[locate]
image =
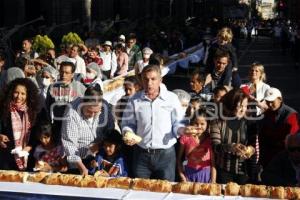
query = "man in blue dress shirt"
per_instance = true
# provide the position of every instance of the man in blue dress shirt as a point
(154, 114)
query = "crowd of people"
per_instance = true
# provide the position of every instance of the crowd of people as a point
(53, 116)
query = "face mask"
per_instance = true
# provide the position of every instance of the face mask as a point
(90, 75)
(46, 82)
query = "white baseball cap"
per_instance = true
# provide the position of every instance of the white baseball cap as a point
(272, 94)
(122, 37)
(147, 50)
(107, 43)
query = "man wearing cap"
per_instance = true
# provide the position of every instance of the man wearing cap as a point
(109, 58)
(279, 121)
(146, 53)
(122, 40)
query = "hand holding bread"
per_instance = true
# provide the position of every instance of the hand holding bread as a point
(242, 151)
(191, 130)
(131, 138)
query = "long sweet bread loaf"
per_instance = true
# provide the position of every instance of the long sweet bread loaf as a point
(232, 189)
(120, 182)
(183, 187)
(13, 176)
(207, 189)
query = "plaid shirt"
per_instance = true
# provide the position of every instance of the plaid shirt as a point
(78, 133)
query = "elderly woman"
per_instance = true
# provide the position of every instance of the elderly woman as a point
(93, 75)
(231, 135)
(258, 87)
(17, 117)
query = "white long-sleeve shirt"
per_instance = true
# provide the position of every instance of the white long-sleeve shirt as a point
(109, 61)
(80, 66)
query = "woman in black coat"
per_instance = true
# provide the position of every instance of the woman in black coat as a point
(18, 111)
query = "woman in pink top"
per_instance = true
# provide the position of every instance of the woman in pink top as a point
(122, 60)
(196, 145)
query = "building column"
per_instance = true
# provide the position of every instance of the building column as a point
(87, 12)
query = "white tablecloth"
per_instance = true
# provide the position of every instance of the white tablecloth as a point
(100, 193)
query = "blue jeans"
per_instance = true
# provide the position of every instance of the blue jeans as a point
(158, 164)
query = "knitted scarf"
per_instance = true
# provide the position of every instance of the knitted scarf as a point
(21, 129)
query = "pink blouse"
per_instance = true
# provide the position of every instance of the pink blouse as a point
(122, 60)
(197, 155)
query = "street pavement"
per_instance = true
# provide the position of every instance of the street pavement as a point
(279, 69)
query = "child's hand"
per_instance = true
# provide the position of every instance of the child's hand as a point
(102, 173)
(42, 166)
(94, 164)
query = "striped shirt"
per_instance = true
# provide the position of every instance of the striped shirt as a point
(224, 134)
(78, 133)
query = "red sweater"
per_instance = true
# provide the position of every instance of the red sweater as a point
(275, 126)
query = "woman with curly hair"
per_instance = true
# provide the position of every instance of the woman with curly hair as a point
(18, 113)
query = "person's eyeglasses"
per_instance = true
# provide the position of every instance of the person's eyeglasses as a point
(293, 149)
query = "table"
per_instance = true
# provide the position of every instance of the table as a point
(39, 191)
